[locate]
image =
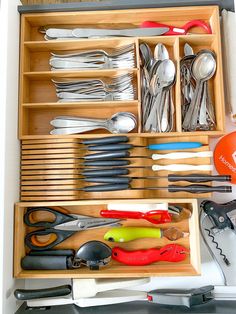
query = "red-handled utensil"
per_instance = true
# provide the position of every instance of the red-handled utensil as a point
(168, 253)
(183, 30)
(153, 216)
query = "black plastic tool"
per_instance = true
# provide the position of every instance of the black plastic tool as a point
(92, 254)
(219, 213)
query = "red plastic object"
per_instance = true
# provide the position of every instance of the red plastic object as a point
(153, 216)
(183, 30)
(225, 156)
(169, 253)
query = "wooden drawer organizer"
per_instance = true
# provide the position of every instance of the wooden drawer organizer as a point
(38, 105)
(57, 191)
(38, 101)
(189, 267)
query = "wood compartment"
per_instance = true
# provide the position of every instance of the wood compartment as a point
(37, 117)
(38, 54)
(51, 171)
(35, 83)
(216, 85)
(189, 267)
(118, 19)
(172, 45)
(38, 87)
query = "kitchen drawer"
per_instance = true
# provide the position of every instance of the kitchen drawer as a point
(189, 267)
(38, 100)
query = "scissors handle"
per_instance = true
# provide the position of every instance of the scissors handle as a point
(59, 217)
(56, 237)
(182, 30)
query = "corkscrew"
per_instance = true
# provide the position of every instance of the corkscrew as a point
(222, 216)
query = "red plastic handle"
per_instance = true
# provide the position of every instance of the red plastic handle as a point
(183, 30)
(168, 253)
(154, 216)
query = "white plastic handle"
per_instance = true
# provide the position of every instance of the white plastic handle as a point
(182, 155)
(182, 167)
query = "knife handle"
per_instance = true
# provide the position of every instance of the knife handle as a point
(199, 178)
(25, 294)
(199, 188)
(174, 145)
(108, 155)
(106, 140)
(182, 155)
(110, 147)
(182, 167)
(114, 180)
(106, 187)
(105, 172)
(106, 163)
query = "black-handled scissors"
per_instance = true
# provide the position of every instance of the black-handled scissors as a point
(61, 228)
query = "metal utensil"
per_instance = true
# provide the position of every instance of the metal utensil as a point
(197, 115)
(119, 123)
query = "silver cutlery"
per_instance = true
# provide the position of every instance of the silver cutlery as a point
(158, 77)
(122, 57)
(197, 108)
(118, 88)
(121, 122)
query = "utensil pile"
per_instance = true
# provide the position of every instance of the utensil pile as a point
(121, 57)
(157, 79)
(95, 89)
(120, 122)
(197, 107)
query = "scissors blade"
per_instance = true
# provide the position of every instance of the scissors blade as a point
(90, 223)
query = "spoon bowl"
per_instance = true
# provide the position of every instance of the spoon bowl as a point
(204, 66)
(164, 76)
(160, 52)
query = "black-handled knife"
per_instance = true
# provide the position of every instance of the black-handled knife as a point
(25, 294)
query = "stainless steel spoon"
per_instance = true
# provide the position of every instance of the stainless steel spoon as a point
(203, 68)
(121, 122)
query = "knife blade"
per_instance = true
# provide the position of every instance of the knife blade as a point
(93, 32)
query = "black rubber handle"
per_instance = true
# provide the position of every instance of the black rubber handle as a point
(107, 163)
(125, 180)
(56, 237)
(52, 253)
(111, 147)
(218, 213)
(198, 188)
(108, 155)
(23, 294)
(199, 178)
(105, 172)
(106, 140)
(106, 187)
(44, 262)
(59, 217)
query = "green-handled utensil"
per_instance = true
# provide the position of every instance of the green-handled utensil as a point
(126, 234)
